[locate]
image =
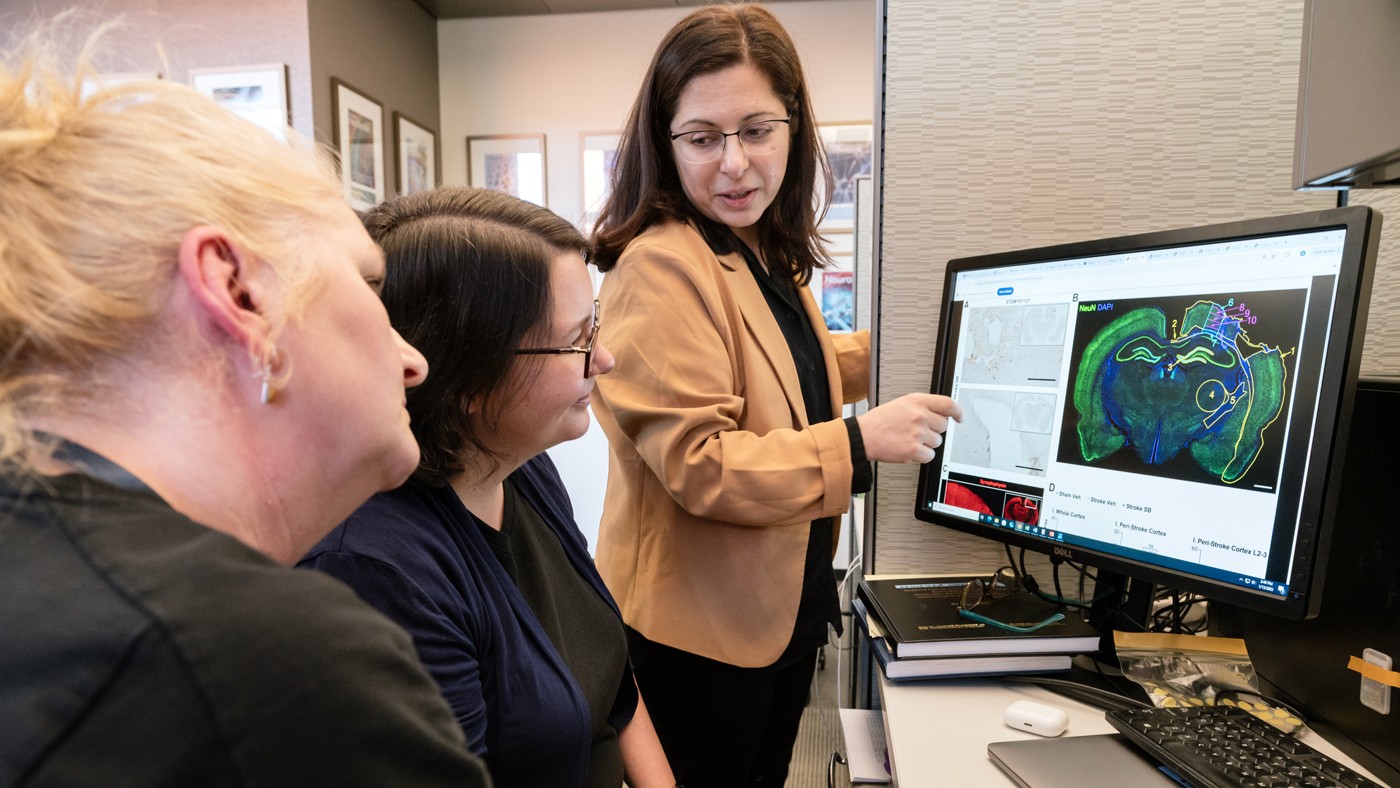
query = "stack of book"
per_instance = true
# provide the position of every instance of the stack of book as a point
(915, 631)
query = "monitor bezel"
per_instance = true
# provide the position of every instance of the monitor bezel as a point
(1339, 370)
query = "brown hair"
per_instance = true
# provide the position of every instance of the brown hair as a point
(467, 279)
(646, 187)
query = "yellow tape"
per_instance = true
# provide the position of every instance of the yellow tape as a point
(1156, 641)
(1376, 673)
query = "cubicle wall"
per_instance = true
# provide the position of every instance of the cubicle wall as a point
(1009, 125)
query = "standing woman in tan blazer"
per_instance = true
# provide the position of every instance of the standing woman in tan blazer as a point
(728, 460)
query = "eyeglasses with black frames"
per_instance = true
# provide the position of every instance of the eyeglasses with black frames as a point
(758, 139)
(1002, 584)
(586, 348)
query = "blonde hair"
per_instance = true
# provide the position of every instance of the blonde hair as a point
(96, 194)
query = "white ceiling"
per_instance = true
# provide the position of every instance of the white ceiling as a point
(459, 9)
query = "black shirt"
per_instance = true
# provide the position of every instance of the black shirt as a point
(583, 629)
(818, 605)
(140, 648)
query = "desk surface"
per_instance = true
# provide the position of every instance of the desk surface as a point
(938, 731)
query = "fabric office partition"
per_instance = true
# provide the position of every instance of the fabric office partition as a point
(1005, 125)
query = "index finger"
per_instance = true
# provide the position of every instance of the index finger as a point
(945, 406)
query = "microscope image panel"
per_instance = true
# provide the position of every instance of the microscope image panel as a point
(1005, 431)
(1033, 412)
(1043, 324)
(1185, 387)
(1015, 345)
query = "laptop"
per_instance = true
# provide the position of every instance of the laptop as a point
(1077, 761)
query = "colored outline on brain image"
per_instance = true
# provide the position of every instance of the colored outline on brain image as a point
(1199, 386)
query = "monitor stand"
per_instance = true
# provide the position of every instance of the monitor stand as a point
(1120, 602)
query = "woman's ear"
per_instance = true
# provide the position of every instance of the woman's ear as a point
(230, 287)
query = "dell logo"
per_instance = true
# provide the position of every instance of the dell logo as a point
(1064, 552)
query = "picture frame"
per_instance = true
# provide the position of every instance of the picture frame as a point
(597, 155)
(850, 153)
(258, 94)
(838, 285)
(415, 155)
(510, 163)
(359, 139)
(835, 287)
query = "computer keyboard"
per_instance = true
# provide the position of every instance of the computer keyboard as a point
(1210, 746)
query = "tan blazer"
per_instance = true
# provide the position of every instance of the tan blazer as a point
(713, 474)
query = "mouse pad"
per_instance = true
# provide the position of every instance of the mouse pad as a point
(1076, 761)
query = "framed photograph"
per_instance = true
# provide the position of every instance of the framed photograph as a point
(417, 155)
(598, 152)
(835, 290)
(510, 163)
(850, 150)
(359, 137)
(835, 287)
(258, 94)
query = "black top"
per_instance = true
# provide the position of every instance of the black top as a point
(818, 605)
(579, 623)
(140, 648)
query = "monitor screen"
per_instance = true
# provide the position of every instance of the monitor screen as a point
(1167, 405)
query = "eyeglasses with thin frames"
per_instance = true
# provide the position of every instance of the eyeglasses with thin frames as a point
(586, 348)
(702, 147)
(1003, 583)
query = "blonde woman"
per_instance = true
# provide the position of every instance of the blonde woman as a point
(197, 381)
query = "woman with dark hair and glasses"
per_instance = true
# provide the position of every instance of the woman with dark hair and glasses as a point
(728, 460)
(478, 556)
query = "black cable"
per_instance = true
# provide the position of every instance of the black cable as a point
(1083, 570)
(1094, 696)
(1172, 618)
(1034, 587)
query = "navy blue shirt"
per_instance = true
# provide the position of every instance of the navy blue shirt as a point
(418, 556)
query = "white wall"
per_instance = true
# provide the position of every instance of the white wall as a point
(566, 74)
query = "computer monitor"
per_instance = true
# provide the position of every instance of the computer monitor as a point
(1168, 406)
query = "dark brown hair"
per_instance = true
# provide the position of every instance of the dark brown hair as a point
(467, 282)
(646, 187)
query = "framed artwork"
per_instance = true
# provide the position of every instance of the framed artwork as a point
(510, 163)
(838, 296)
(835, 287)
(359, 138)
(850, 150)
(258, 94)
(598, 152)
(417, 155)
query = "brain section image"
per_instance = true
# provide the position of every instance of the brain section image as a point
(1190, 387)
